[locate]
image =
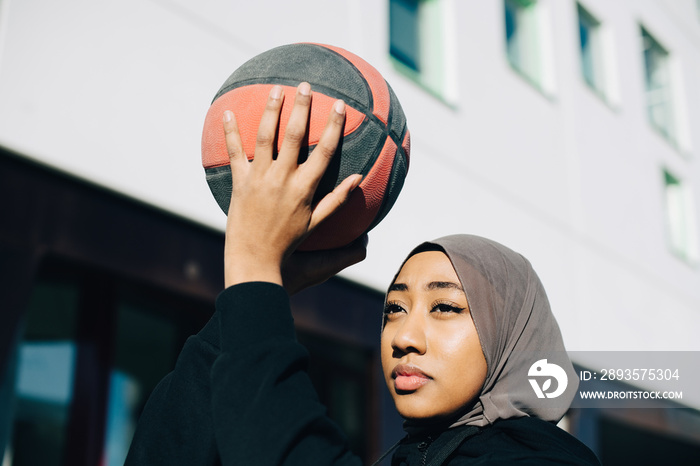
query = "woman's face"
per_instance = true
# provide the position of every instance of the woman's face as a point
(431, 354)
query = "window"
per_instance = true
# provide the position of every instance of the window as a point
(419, 44)
(143, 325)
(82, 378)
(523, 41)
(404, 45)
(658, 86)
(680, 218)
(591, 50)
(46, 368)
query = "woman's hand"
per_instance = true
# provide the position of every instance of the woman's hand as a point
(308, 268)
(271, 210)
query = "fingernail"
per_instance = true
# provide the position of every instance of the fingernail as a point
(339, 107)
(228, 115)
(356, 182)
(276, 92)
(304, 89)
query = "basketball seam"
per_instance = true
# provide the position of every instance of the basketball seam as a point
(388, 132)
(371, 160)
(369, 116)
(398, 139)
(385, 207)
(354, 135)
(293, 83)
(360, 73)
(368, 111)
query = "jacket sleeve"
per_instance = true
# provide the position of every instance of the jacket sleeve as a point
(265, 410)
(176, 424)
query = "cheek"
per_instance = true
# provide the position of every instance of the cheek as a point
(456, 343)
(386, 352)
(461, 359)
(453, 346)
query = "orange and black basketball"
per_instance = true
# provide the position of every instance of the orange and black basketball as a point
(375, 143)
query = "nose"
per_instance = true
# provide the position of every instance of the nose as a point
(410, 335)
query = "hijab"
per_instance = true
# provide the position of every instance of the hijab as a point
(519, 335)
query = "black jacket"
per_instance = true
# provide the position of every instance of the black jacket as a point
(240, 395)
(519, 441)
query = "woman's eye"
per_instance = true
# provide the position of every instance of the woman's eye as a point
(442, 307)
(392, 309)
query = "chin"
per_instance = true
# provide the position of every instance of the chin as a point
(419, 410)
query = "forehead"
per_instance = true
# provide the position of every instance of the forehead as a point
(426, 267)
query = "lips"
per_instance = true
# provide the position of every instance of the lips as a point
(409, 378)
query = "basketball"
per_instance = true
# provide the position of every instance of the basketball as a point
(375, 142)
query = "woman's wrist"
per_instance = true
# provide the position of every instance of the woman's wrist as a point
(241, 268)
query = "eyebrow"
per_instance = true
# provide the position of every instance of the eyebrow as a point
(398, 287)
(430, 286)
(443, 285)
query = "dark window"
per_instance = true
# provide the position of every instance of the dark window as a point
(523, 44)
(404, 33)
(93, 350)
(658, 85)
(591, 59)
(46, 367)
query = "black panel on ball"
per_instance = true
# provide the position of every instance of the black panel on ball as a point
(327, 71)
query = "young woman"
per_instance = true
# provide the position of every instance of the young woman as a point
(465, 323)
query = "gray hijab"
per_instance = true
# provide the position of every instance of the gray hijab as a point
(517, 331)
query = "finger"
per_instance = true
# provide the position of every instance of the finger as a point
(295, 132)
(234, 145)
(267, 131)
(333, 200)
(328, 143)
